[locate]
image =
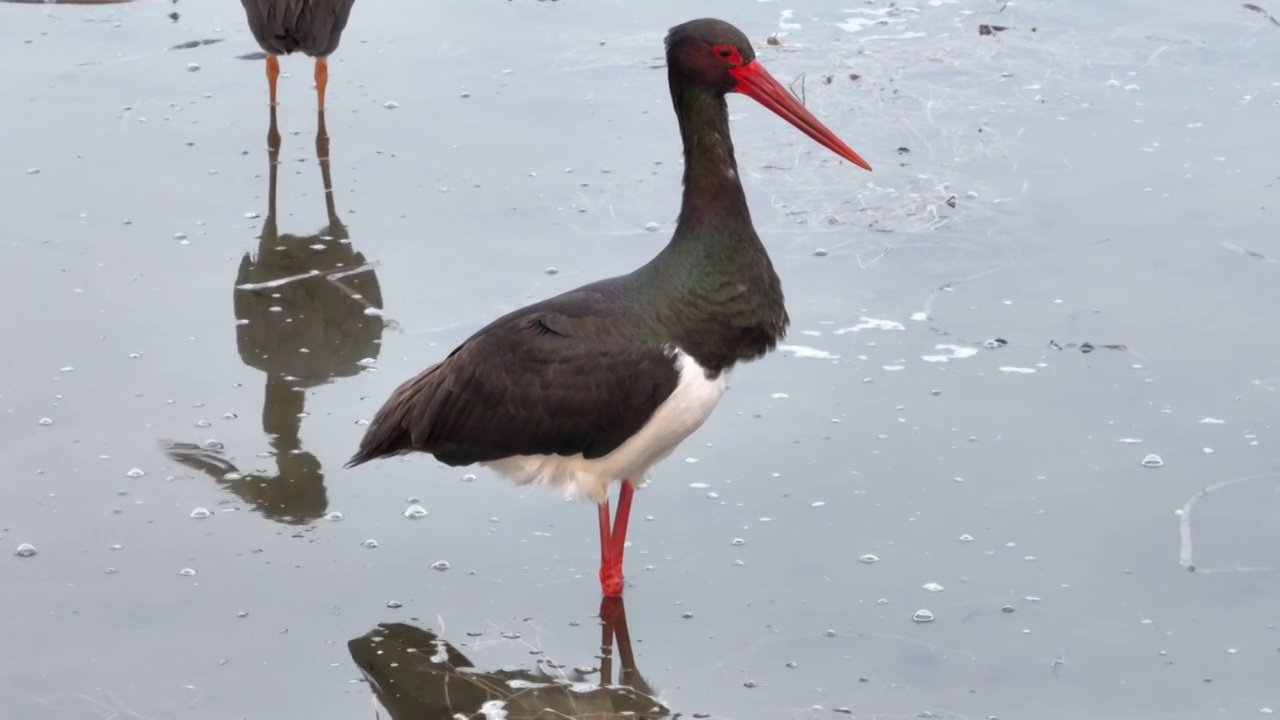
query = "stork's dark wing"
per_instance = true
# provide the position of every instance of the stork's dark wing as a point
(535, 382)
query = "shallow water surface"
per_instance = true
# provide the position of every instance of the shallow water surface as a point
(930, 502)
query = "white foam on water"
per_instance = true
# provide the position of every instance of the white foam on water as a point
(957, 352)
(804, 351)
(866, 323)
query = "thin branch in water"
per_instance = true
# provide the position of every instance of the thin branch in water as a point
(1185, 558)
(1246, 252)
(931, 646)
(802, 95)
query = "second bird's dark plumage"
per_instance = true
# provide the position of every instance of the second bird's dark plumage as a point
(312, 27)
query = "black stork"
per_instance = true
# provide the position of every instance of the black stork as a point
(313, 27)
(601, 383)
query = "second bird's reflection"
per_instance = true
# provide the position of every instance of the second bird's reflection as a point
(417, 675)
(308, 311)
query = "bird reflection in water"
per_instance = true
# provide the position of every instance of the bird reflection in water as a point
(308, 311)
(417, 675)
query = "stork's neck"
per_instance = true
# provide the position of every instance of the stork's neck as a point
(713, 196)
(712, 291)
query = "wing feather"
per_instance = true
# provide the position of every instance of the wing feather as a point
(534, 384)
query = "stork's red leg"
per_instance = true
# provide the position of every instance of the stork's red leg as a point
(611, 556)
(605, 545)
(322, 81)
(619, 535)
(273, 72)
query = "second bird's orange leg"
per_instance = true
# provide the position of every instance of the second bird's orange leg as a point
(322, 80)
(273, 72)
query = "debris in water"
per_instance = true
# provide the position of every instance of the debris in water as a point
(985, 29)
(922, 616)
(868, 559)
(957, 352)
(1017, 370)
(869, 323)
(414, 512)
(200, 513)
(1153, 461)
(1255, 8)
(25, 550)
(1087, 346)
(191, 44)
(1246, 252)
(441, 565)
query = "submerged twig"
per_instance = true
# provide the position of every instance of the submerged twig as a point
(1227, 244)
(333, 277)
(1255, 8)
(802, 96)
(1184, 527)
(932, 646)
(387, 322)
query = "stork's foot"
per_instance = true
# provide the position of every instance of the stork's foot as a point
(611, 581)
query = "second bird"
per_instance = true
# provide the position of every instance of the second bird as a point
(597, 385)
(312, 27)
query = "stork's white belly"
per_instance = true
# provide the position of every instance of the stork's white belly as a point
(675, 419)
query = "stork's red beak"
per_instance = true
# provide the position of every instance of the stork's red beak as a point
(756, 83)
